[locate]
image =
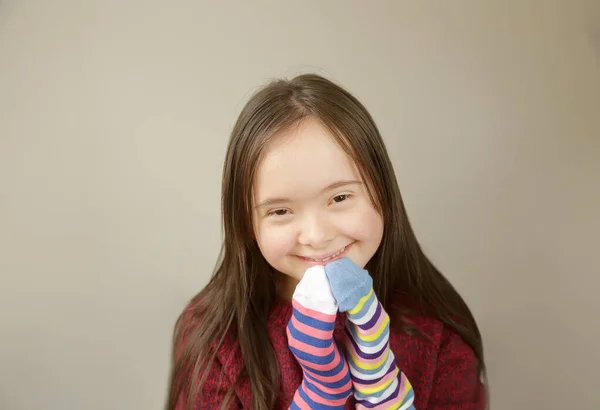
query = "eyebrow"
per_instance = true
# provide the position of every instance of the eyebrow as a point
(334, 185)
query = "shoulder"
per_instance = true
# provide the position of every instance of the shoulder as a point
(185, 326)
(192, 320)
(429, 330)
(218, 374)
(440, 365)
(432, 341)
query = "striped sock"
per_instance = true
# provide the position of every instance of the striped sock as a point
(326, 380)
(377, 380)
(378, 383)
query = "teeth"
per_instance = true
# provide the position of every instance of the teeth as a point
(329, 257)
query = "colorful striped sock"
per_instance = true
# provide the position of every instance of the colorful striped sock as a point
(326, 380)
(378, 382)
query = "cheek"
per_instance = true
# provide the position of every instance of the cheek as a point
(274, 242)
(365, 225)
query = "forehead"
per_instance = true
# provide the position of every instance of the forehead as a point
(302, 162)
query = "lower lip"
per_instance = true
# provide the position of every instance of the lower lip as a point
(316, 263)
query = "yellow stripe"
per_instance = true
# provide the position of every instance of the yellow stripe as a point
(372, 390)
(364, 366)
(407, 388)
(396, 406)
(361, 303)
(375, 336)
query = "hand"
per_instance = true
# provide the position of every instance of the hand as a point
(326, 379)
(348, 281)
(375, 374)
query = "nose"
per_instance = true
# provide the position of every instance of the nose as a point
(314, 231)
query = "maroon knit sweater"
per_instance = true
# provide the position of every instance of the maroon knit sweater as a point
(441, 367)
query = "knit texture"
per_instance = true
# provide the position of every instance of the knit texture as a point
(440, 365)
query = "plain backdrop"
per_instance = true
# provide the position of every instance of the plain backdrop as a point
(114, 118)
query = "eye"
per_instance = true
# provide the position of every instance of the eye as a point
(278, 212)
(340, 198)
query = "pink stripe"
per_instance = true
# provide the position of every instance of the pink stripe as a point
(385, 405)
(335, 390)
(331, 379)
(300, 401)
(397, 400)
(361, 360)
(324, 367)
(375, 327)
(403, 380)
(323, 317)
(315, 351)
(318, 399)
(386, 378)
(309, 330)
(328, 379)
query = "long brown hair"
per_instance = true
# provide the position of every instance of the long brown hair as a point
(240, 293)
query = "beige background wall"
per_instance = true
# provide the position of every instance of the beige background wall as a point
(114, 118)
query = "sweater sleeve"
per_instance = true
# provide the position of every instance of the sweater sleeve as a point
(213, 393)
(456, 384)
(216, 385)
(326, 380)
(378, 382)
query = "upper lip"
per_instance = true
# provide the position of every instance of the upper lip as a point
(325, 256)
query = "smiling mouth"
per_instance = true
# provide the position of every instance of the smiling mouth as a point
(329, 258)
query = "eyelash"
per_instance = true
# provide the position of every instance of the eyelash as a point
(274, 212)
(347, 196)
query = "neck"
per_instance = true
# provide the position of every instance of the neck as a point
(286, 285)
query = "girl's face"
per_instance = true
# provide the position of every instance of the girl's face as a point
(311, 205)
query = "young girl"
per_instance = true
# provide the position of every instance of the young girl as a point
(322, 297)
